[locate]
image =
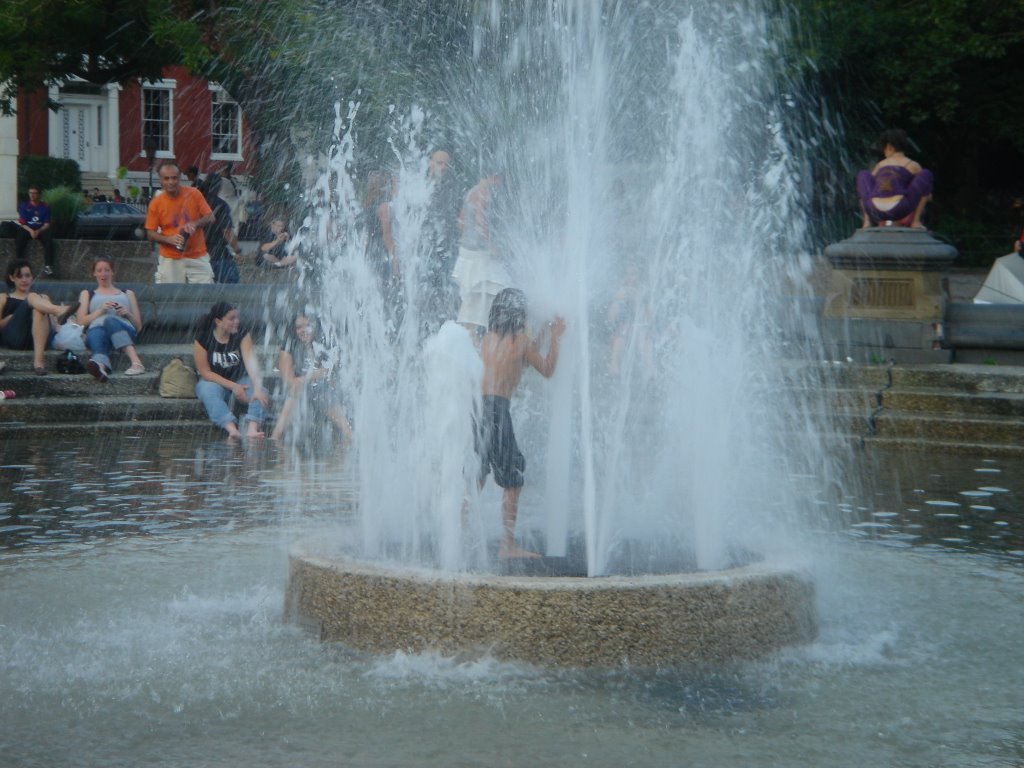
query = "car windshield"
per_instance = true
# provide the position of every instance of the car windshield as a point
(107, 209)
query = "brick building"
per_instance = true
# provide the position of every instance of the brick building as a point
(110, 130)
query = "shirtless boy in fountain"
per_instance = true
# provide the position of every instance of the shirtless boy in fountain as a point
(506, 350)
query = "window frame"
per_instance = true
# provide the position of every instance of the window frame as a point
(221, 98)
(167, 86)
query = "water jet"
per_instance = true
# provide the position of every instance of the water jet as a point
(693, 445)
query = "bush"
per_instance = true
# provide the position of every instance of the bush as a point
(978, 242)
(46, 173)
(65, 204)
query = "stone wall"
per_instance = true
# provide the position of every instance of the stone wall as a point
(134, 259)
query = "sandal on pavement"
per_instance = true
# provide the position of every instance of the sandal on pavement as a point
(98, 371)
(135, 369)
(39, 370)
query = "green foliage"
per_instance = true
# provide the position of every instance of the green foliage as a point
(46, 173)
(921, 61)
(101, 41)
(947, 72)
(978, 241)
(65, 204)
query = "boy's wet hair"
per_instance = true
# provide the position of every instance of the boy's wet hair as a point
(508, 312)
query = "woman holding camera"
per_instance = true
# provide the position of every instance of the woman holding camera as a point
(113, 321)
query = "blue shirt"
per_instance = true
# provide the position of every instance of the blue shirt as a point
(34, 216)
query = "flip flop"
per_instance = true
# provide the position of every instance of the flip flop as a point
(40, 371)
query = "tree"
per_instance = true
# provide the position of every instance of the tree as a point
(285, 61)
(945, 70)
(102, 41)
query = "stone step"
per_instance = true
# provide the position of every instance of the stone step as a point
(950, 429)
(992, 450)
(859, 401)
(997, 405)
(164, 426)
(958, 377)
(136, 261)
(851, 423)
(154, 357)
(79, 410)
(963, 378)
(28, 385)
(817, 375)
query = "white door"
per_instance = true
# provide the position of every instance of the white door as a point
(82, 134)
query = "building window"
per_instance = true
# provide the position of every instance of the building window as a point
(225, 126)
(158, 120)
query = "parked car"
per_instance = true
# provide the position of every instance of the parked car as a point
(111, 221)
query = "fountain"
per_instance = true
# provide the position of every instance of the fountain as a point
(143, 573)
(666, 495)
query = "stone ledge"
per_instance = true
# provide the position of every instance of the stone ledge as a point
(134, 258)
(135, 261)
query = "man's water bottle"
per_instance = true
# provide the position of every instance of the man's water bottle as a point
(184, 242)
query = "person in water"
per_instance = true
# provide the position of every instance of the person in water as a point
(506, 349)
(896, 190)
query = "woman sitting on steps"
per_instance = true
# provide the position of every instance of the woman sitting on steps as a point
(113, 320)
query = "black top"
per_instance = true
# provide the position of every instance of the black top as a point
(10, 305)
(224, 359)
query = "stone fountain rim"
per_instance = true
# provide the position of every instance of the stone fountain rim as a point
(344, 562)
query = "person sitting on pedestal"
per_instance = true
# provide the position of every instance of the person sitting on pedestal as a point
(896, 190)
(34, 224)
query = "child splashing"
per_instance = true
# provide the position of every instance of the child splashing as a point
(506, 350)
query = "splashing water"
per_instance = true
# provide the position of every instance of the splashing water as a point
(650, 197)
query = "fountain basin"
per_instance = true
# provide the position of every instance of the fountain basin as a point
(612, 621)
